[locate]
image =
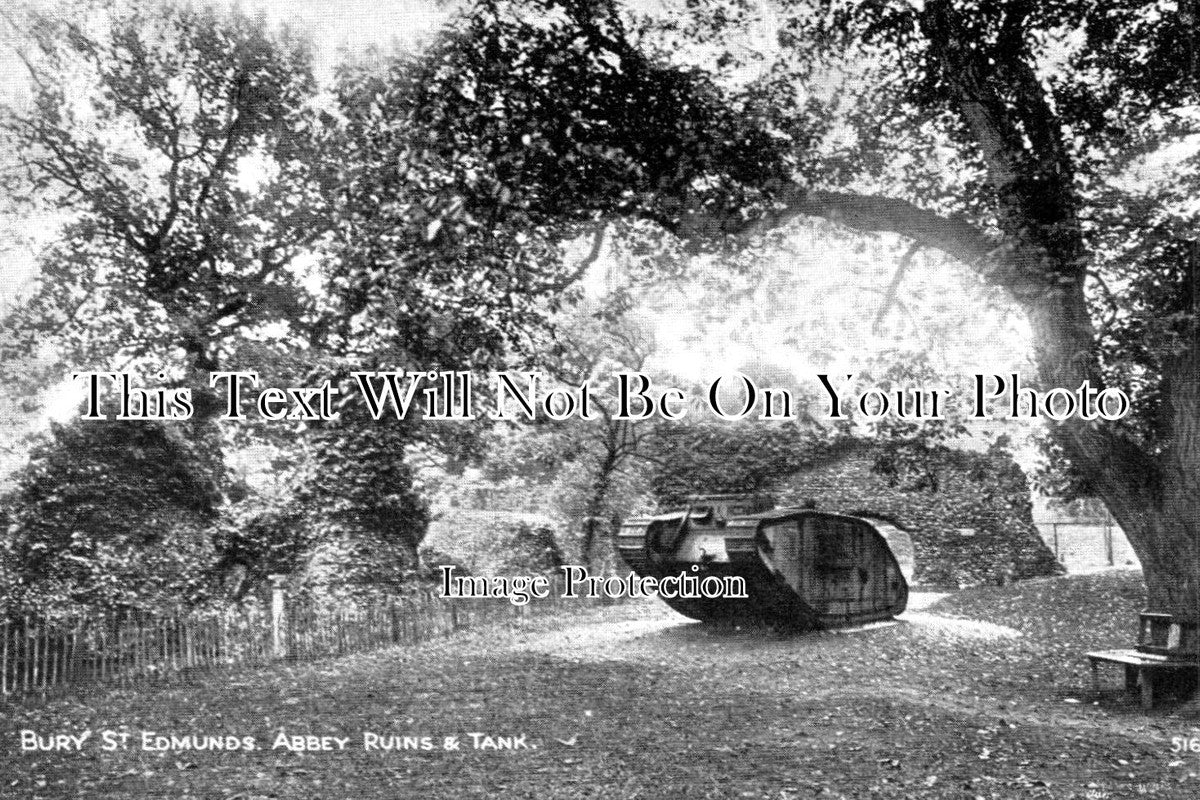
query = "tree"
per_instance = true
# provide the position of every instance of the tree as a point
(206, 194)
(586, 457)
(1044, 131)
(977, 130)
(181, 146)
(182, 150)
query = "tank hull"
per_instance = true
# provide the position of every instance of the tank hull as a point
(802, 569)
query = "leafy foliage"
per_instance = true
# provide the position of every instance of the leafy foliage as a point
(180, 147)
(113, 514)
(516, 129)
(180, 144)
(369, 494)
(910, 448)
(201, 167)
(589, 467)
(724, 457)
(981, 130)
(492, 543)
(259, 537)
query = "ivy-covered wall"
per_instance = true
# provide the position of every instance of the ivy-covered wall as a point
(972, 525)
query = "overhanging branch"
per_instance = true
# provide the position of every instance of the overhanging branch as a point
(870, 213)
(997, 261)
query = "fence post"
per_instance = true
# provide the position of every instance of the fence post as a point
(278, 622)
(1108, 537)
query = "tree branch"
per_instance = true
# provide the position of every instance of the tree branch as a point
(1020, 270)
(582, 267)
(889, 297)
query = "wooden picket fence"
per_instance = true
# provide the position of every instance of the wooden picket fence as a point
(40, 656)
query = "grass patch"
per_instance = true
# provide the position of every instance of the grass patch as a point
(632, 702)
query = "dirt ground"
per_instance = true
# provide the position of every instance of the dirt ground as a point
(984, 693)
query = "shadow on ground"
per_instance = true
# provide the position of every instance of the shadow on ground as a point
(980, 694)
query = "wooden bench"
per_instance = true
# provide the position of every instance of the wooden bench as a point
(1140, 668)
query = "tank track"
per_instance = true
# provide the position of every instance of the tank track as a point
(771, 599)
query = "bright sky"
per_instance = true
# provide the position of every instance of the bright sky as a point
(356, 25)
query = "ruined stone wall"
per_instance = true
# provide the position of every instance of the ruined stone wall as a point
(970, 530)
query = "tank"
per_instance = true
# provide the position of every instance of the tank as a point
(802, 568)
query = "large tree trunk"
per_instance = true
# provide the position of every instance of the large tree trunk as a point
(1153, 492)
(1150, 481)
(1166, 545)
(1168, 533)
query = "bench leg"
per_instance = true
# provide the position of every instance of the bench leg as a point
(1147, 688)
(1131, 677)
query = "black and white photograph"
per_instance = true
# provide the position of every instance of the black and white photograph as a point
(773, 399)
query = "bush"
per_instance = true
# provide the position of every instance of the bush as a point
(113, 514)
(496, 542)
